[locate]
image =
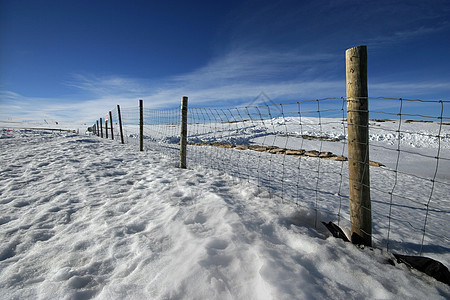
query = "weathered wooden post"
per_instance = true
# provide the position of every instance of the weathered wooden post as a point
(120, 123)
(98, 129)
(94, 130)
(101, 128)
(111, 122)
(141, 125)
(183, 133)
(358, 144)
(106, 127)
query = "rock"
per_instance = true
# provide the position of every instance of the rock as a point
(227, 146)
(277, 151)
(295, 152)
(376, 164)
(326, 154)
(260, 149)
(380, 120)
(338, 158)
(242, 147)
(426, 265)
(312, 153)
(336, 231)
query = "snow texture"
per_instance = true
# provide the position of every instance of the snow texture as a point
(83, 217)
(409, 195)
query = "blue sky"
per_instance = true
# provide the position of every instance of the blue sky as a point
(73, 61)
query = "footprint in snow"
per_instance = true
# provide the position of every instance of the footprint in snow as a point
(198, 219)
(135, 228)
(21, 204)
(216, 256)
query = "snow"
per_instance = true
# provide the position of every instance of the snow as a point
(408, 195)
(84, 217)
(418, 141)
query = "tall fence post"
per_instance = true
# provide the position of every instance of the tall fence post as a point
(183, 133)
(120, 123)
(111, 122)
(358, 143)
(106, 128)
(101, 128)
(141, 125)
(98, 129)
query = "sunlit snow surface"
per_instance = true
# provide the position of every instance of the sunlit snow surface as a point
(409, 195)
(83, 217)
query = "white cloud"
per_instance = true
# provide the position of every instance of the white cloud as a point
(249, 66)
(233, 79)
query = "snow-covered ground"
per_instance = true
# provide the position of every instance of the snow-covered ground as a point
(409, 194)
(48, 125)
(84, 217)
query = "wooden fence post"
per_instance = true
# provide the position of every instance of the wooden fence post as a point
(120, 123)
(101, 128)
(94, 129)
(141, 125)
(98, 129)
(106, 128)
(183, 133)
(358, 144)
(111, 122)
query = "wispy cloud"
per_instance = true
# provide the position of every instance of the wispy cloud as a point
(233, 79)
(251, 65)
(420, 31)
(17, 107)
(407, 34)
(243, 74)
(107, 85)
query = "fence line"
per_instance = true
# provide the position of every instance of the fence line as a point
(298, 152)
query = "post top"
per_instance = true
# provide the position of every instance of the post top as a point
(357, 49)
(360, 46)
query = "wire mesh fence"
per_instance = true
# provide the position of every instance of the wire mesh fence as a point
(298, 152)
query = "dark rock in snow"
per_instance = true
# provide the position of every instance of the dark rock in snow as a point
(336, 231)
(357, 239)
(426, 265)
